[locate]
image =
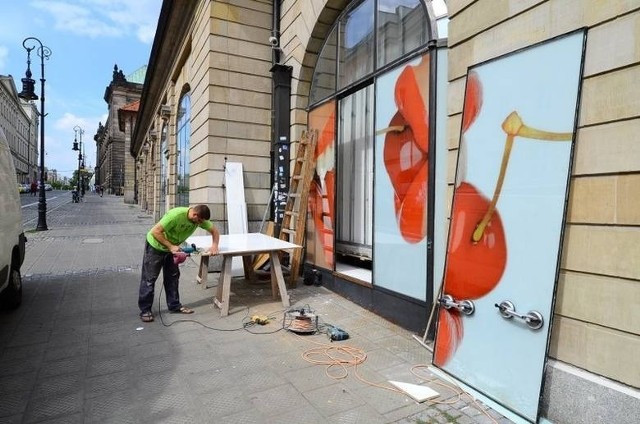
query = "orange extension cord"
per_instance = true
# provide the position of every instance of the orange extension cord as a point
(337, 360)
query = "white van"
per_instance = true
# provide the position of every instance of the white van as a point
(12, 240)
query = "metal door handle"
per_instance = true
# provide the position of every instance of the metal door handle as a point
(533, 319)
(465, 306)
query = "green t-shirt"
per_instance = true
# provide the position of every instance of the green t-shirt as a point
(177, 228)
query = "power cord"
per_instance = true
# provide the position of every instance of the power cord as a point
(259, 321)
(247, 321)
(191, 320)
(337, 359)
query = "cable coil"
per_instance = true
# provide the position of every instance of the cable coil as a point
(301, 321)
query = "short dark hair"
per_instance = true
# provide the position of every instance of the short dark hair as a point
(202, 211)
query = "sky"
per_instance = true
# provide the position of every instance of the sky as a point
(86, 38)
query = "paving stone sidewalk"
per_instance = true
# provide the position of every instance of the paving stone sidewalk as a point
(76, 351)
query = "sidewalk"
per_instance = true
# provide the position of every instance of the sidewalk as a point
(76, 351)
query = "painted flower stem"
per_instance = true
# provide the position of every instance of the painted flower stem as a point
(513, 127)
(393, 128)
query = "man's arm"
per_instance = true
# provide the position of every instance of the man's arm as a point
(215, 240)
(158, 233)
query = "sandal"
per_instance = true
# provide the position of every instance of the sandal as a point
(146, 317)
(182, 310)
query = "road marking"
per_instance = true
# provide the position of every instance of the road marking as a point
(31, 204)
(48, 210)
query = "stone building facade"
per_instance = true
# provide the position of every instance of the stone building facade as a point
(126, 123)
(209, 97)
(111, 170)
(19, 120)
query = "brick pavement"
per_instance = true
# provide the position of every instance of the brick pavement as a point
(76, 352)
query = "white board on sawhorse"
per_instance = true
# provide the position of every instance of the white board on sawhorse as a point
(236, 207)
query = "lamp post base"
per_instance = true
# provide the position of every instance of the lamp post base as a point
(42, 211)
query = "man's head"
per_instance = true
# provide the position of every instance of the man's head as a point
(199, 214)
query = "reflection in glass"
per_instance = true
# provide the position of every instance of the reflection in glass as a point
(356, 43)
(402, 27)
(183, 136)
(324, 76)
(164, 155)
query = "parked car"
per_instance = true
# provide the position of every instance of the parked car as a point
(47, 186)
(12, 242)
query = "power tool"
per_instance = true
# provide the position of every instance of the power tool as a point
(185, 251)
(336, 334)
(260, 319)
(189, 249)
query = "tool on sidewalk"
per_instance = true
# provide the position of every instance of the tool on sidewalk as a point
(300, 320)
(260, 319)
(336, 334)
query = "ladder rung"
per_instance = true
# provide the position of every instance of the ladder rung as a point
(296, 177)
(287, 231)
(292, 213)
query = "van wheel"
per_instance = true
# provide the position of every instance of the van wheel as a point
(12, 296)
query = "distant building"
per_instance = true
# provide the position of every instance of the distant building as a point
(19, 120)
(126, 122)
(52, 176)
(110, 138)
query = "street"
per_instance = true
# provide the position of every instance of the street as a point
(55, 199)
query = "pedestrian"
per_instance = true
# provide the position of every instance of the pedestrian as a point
(34, 188)
(163, 242)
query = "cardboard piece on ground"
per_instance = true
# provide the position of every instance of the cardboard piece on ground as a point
(416, 392)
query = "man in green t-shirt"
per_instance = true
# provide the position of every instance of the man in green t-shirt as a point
(163, 242)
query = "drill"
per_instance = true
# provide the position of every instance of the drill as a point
(185, 251)
(189, 249)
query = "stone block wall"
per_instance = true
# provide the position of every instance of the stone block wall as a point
(230, 78)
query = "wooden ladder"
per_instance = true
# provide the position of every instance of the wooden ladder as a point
(293, 224)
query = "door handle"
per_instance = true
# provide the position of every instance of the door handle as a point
(533, 319)
(464, 306)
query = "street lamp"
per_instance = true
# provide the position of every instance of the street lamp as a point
(27, 93)
(79, 147)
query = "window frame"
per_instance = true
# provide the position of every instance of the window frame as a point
(183, 146)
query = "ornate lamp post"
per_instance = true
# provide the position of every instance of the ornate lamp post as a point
(78, 147)
(27, 93)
